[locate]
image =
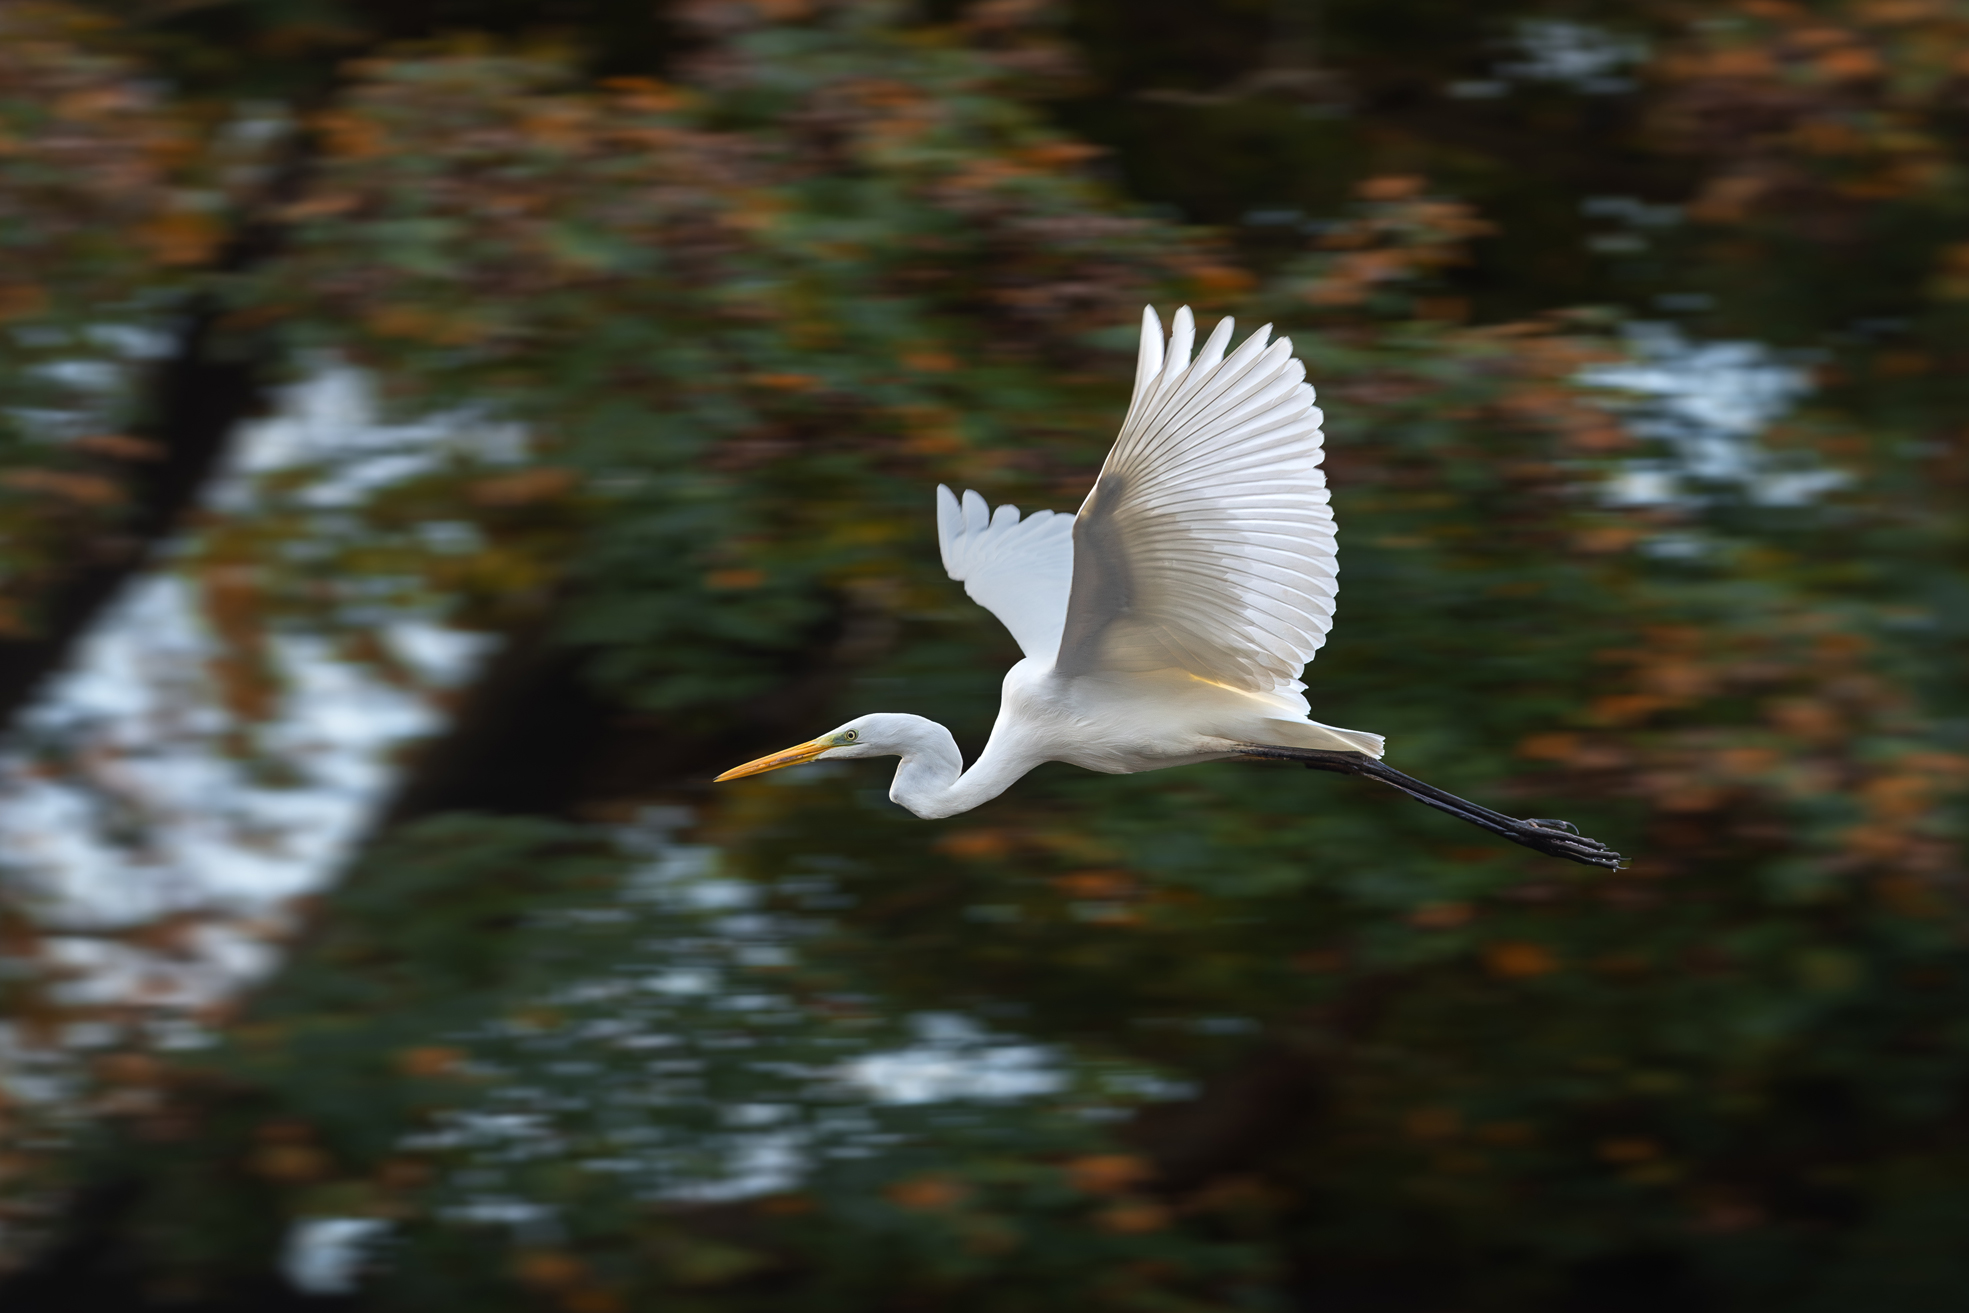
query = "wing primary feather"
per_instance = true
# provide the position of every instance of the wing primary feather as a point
(1148, 361)
(950, 524)
(977, 515)
(1148, 364)
(1176, 356)
(1220, 337)
(1182, 337)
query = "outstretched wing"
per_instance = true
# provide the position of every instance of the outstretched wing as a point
(1207, 544)
(1019, 570)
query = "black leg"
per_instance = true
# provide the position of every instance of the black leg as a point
(1554, 838)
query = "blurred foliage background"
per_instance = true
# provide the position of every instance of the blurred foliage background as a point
(1639, 329)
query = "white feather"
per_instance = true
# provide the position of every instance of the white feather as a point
(1019, 570)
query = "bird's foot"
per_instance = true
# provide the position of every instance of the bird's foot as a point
(1562, 839)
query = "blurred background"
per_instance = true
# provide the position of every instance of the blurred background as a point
(438, 436)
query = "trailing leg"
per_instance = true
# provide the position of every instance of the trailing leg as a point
(1554, 838)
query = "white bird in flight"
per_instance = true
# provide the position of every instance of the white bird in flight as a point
(1169, 620)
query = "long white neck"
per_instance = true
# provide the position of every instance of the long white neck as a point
(932, 781)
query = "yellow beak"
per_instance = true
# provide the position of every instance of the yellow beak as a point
(791, 757)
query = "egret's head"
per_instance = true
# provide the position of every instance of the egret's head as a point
(883, 734)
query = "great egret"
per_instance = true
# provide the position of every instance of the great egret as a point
(1168, 621)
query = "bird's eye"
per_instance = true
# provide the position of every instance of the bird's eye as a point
(852, 735)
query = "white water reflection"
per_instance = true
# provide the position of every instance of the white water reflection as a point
(326, 1255)
(955, 1058)
(124, 797)
(158, 815)
(1709, 403)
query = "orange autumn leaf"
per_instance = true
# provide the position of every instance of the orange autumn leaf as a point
(548, 1269)
(1604, 539)
(1098, 885)
(1222, 279)
(429, 1060)
(1391, 187)
(1557, 746)
(1133, 1217)
(787, 382)
(117, 447)
(83, 489)
(1059, 154)
(182, 238)
(1626, 708)
(1850, 64)
(928, 1194)
(19, 300)
(1442, 916)
(523, 488)
(647, 94)
(976, 843)
(290, 1163)
(1519, 960)
(1108, 1173)
(1628, 1149)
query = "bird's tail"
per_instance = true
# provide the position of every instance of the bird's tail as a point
(1312, 735)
